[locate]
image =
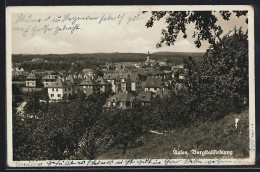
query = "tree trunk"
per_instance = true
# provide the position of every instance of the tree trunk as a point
(124, 149)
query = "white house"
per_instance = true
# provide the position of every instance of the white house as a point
(31, 80)
(59, 90)
(49, 79)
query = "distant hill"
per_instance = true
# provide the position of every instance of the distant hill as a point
(182, 54)
(176, 57)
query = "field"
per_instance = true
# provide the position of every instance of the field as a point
(212, 135)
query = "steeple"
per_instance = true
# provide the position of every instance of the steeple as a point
(148, 56)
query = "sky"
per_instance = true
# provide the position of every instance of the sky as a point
(96, 35)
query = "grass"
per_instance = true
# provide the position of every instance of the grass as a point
(212, 135)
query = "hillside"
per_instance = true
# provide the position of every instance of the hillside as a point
(212, 135)
(176, 57)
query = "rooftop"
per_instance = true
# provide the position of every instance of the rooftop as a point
(122, 97)
(154, 82)
(60, 84)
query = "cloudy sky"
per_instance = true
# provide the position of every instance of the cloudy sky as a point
(95, 36)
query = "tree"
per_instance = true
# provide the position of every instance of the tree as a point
(96, 140)
(32, 107)
(205, 25)
(226, 63)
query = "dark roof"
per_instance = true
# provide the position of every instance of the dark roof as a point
(31, 76)
(49, 77)
(108, 76)
(101, 81)
(122, 97)
(60, 84)
(71, 79)
(88, 81)
(134, 77)
(154, 82)
(145, 96)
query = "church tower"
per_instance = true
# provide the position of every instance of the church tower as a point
(148, 57)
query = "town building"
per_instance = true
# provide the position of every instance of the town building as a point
(145, 97)
(135, 82)
(121, 100)
(60, 90)
(31, 80)
(153, 84)
(114, 79)
(104, 85)
(49, 79)
(89, 86)
(125, 82)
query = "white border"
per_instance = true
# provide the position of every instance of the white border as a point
(81, 9)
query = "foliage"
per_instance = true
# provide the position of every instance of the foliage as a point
(205, 22)
(96, 140)
(220, 79)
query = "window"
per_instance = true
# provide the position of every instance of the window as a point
(53, 89)
(46, 83)
(65, 89)
(56, 89)
(59, 95)
(52, 95)
(69, 89)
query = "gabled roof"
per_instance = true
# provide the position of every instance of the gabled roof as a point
(134, 77)
(60, 84)
(144, 96)
(71, 79)
(122, 97)
(154, 82)
(108, 76)
(50, 77)
(88, 81)
(101, 81)
(31, 76)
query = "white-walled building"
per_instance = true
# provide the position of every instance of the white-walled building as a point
(31, 80)
(59, 90)
(49, 79)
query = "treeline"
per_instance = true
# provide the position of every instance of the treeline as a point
(63, 61)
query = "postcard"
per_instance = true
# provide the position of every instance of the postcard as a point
(129, 86)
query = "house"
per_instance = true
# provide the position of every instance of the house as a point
(153, 84)
(49, 79)
(89, 86)
(114, 79)
(60, 90)
(144, 97)
(125, 82)
(104, 85)
(121, 100)
(31, 80)
(88, 73)
(135, 82)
